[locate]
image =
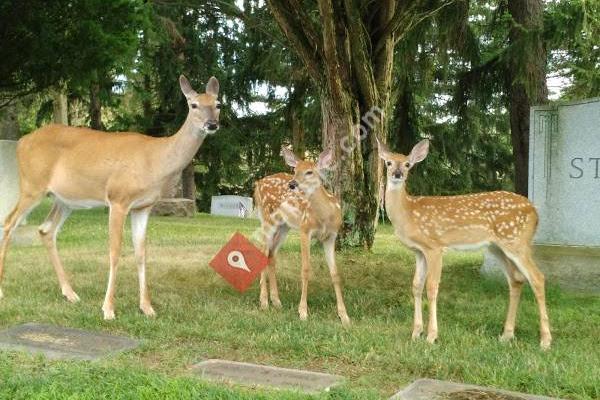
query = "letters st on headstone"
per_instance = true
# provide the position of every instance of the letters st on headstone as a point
(56, 342)
(564, 186)
(432, 389)
(262, 375)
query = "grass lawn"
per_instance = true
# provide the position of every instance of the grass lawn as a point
(200, 316)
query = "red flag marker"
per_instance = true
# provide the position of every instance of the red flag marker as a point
(239, 262)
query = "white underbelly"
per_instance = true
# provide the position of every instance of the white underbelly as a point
(470, 246)
(80, 204)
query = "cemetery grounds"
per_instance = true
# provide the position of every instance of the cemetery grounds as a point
(201, 317)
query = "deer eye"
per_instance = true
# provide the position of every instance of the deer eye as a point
(407, 164)
(218, 105)
(388, 163)
(194, 105)
(308, 173)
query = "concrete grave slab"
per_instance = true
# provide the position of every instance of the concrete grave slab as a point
(263, 375)
(56, 342)
(432, 389)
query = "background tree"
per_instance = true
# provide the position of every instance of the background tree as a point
(447, 75)
(347, 48)
(525, 78)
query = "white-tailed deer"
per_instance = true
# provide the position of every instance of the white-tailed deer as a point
(83, 168)
(300, 202)
(504, 221)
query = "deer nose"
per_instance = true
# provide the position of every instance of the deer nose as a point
(293, 184)
(212, 125)
(398, 174)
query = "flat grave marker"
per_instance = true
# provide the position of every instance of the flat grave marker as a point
(433, 389)
(56, 342)
(263, 375)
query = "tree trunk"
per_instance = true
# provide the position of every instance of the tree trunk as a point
(296, 105)
(525, 79)
(60, 109)
(95, 107)
(298, 135)
(403, 135)
(354, 175)
(189, 182)
(9, 123)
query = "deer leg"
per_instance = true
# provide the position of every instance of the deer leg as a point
(417, 289)
(116, 220)
(273, 290)
(264, 294)
(526, 265)
(278, 240)
(48, 231)
(434, 272)
(139, 223)
(25, 204)
(329, 249)
(305, 250)
(515, 285)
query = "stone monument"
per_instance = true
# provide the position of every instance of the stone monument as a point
(231, 206)
(564, 185)
(9, 178)
(9, 192)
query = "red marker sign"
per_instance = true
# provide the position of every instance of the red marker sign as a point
(239, 262)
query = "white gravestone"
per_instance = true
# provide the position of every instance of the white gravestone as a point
(9, 179)
(231, 206)
(564, 186)
(9, 193)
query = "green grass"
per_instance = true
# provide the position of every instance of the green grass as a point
(200, 316)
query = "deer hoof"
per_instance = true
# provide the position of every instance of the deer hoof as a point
(109, 315)
(507, 337)
(148, 310)
(416, 334)
(264, 304)
(545, 343)
(71, 296)
(303, 314)
(431, 338)
(345, 321)
(276, 303)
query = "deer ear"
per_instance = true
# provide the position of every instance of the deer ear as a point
(325, 159)
(289, 157)
(186, 88)
(212, 87)
(384, 151)
(419, 152)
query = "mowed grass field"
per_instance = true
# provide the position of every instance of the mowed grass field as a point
(199, 317)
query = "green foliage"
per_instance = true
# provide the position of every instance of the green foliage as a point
(46, 42)
(448, 84)
(573, 32)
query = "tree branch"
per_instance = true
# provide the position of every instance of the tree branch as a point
(403, 21)
(297, 27)
(362, 65)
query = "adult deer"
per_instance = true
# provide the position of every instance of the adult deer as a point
(502, 220)
(300, 202)
(84, 168)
